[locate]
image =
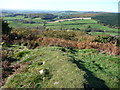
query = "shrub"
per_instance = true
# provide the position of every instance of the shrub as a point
(104, 38)
(5, 28)
(22, 53)
(4, 54)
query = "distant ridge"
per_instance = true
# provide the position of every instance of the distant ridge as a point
(55, 12)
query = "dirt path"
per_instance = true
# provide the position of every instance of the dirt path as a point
(72, 19)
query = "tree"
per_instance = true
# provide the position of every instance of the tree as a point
(48, 17)
(5, 28)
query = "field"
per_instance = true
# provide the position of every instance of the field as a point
(40, 51)
(21, 21)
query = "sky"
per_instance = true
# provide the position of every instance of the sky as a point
(75, 5)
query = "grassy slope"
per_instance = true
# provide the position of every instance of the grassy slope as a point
(66, 68)
(56, 63)
(102, 66)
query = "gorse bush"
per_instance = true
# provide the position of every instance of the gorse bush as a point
(67, 35)
(34, 38)
(5, 28)
(22, 53)
(33, 34)
(105, 38)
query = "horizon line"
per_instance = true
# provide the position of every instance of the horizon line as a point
(58, 10)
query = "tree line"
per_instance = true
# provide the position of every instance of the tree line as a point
(108, 19)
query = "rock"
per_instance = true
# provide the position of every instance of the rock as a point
(44, 71)
(41, 71)
(40, 63)
(43, 78)
(43, 62)
(56, 83)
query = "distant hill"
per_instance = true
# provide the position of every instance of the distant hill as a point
(67, 12)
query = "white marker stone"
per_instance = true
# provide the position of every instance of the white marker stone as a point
(41, 71)
(56, 83)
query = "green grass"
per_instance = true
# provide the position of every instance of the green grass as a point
(55, 62)
(65, 68)
(32, 25)
(12, 18)
(19, 25)
(38, 20)
(105, 28)
(72, 22)
(101, 65)
(103, 33)
(94, 25)
(84, 26)
(22, 18)
(15, 24)
(69, 27)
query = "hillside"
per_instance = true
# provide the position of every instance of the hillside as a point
(62, 68)
(110, 19)
(44, 50)
(59, 59)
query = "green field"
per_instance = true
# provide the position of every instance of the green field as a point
(12, 18)
(103, 33)
(84, 26)
(64, 25)
(74, 22)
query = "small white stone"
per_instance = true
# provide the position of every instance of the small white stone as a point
(43, 62)
(43, 78)
(41, 71)
(56, 83)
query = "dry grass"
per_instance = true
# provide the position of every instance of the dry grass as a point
(109, 48)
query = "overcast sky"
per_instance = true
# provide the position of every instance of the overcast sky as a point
(78, 5)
